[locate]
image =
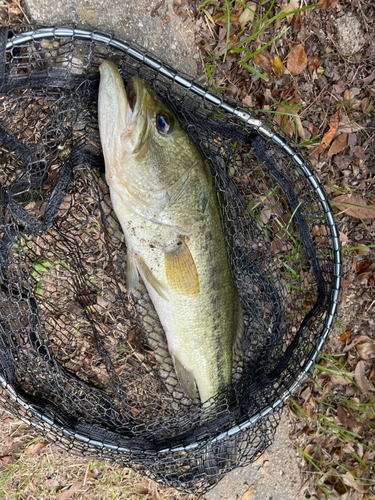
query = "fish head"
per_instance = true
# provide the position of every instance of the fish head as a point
(141, 137)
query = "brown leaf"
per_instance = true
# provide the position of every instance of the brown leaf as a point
(354, 205)
(350, 480)
(363, 265)
(65, 495)
(328, 136)
(345, 336)
(31, 450)
(289, 7)
(344, 238)
(248, 494)
(262, 60)
(366, 350)
(142, 489)
(342, 416)
(327, 4)
(263, 458)
(248, 101)
(360, 377)
(297, 60)
(5, 460)
(247, 15)
(296, 24)
(338, 145)
(357, 340)
(313, 62)
(338, 380)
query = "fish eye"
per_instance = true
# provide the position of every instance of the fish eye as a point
(164, 123)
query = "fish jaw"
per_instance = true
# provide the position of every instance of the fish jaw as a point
(113, 110)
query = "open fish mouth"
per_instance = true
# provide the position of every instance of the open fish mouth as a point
(131, 94)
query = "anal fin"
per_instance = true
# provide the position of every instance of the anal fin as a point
(186, 378)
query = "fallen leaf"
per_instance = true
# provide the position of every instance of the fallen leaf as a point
(360, 376)
(357, 340)
(327, 4)
(262, 60)
(31, 450)
(248, 494)
(309, 450)
(366, 350)
(277, 66)
(338, 145)
(142, 489)
(5, 460)
(296, 23)
(349, 126)
(297, 60)
(247, 15)
(344, 238)
(354, 205)
(345, 336)
(363, 265)
(248, 100)
(292, 5)
(328, 136)
(263, 458)
(313, 62)
(65, 495)
(338, 380)
(350, 480)
(342, 416)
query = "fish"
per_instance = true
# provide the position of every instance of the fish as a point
(164, 197)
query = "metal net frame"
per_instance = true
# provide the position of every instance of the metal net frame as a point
(81, 362)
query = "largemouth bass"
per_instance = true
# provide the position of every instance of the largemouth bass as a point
(164, 197)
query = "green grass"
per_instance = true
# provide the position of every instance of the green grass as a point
(259, 27)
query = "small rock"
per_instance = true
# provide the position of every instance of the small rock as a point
(350, 36)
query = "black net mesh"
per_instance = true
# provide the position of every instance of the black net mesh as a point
(83, 363)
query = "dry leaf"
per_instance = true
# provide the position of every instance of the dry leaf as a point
(292, 5)
(5, 460)
(65, 495)
(345, 336)
(363, 265)
(350, 480)
(142, 489)
(328, 136)
(296, 24)
(338, 145)
(262, 60)
(263, 458)
(313, 62)
(297, 60)
(247, 15)
(31, 450)
(349, 126)
(366, 350)
(327, 4)
(248, 494)
(277, 66)
(248, 101)
(357, 340)
(360, 377)
(344, 238)
(338, 380)
(354, 205)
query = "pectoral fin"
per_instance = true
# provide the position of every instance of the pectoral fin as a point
(186, 379)
(182, 274)
(148, 276)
